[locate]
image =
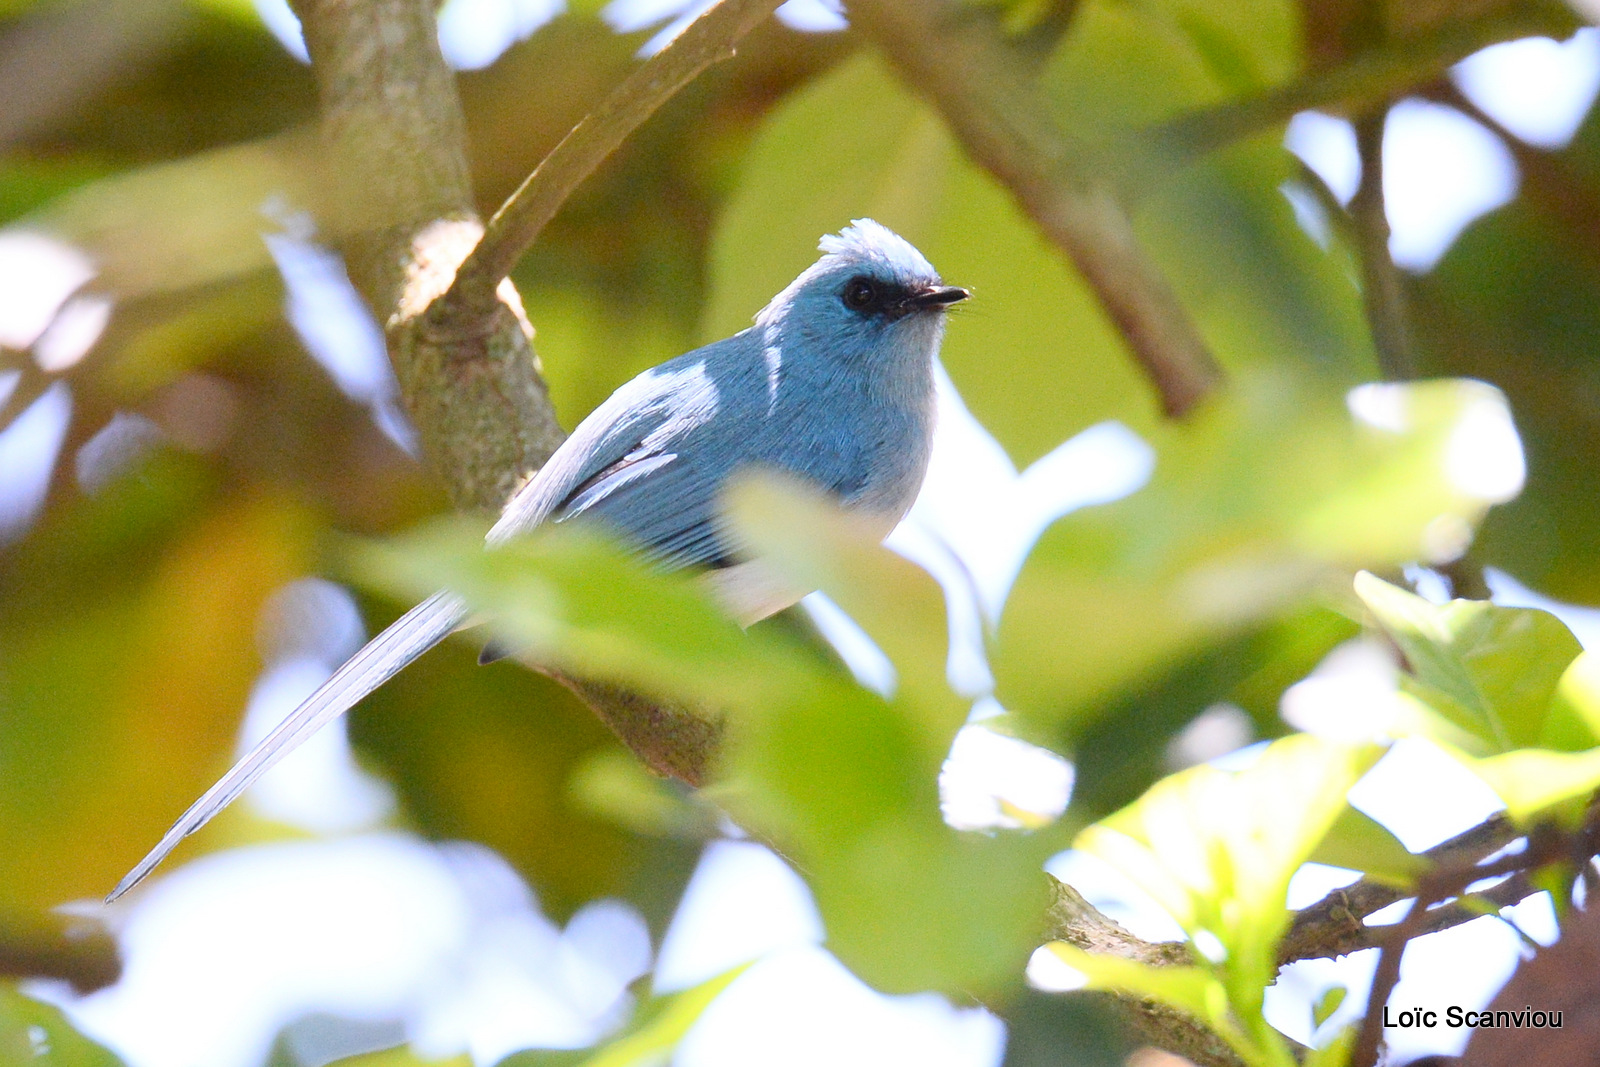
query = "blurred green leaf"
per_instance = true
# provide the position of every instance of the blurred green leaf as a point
(1328, 1002)
(1216, 849)
(1133, 64)
(35, 1034)
(649, 1039)
(1516, 302)
(815, 545)
(1264, 497)
(1572, 721)
(842, 780)
(404, 1056)
(1194, 990)
(614, 785)
(119, 712)
(1491, 671)
(1532, 782)
(1358, 842)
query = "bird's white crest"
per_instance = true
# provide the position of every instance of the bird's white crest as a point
(866, 239)
(864, 244)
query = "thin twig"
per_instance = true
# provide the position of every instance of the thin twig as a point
(1431, 888)
(952, 56)
(1335, 925)
(1366, 79)
(708, 40)
(1381, 289)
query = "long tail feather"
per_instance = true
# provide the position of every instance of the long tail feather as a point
(381, 659)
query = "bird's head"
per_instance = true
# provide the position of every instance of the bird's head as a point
(871, 295)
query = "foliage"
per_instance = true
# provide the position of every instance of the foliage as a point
(129, 610)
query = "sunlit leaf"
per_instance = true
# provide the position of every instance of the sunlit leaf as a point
(1327, 1004)
(649, 1039)
(1533, 781)
(1491, 670)
(1572, 722)
(35, 1034)
(1359, 842)
(1190, 989)
(1267, 496)
(843, 781)
(1216, 849)
(816, 545)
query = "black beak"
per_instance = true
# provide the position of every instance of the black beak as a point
(937, 296)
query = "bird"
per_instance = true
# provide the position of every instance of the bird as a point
(833, 385)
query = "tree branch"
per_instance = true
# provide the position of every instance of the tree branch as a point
(1381, 291)
(953, 58)
(1074, 920)
(77, 952)
(1434, 886)
(1367, 79)
(710, 39)
(1335, 925)
(1332, 927)
(396, 155)
(392, 123)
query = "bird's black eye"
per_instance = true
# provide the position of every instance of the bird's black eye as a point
(860, 294)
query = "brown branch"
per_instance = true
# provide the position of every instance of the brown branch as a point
(75, 951)
(710, 39)
(1363, 81)
(1332, 927)
(1074, 920)
(402, 199)
(396, 143)
(952, 56)
(1434, 886)
(1335, 925)
(1381, 290)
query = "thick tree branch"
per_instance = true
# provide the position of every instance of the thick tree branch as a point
(396, 145)
(396, 162)
(708, 40)
(952, 56)
(1074, 920)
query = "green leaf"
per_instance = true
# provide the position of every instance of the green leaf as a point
(816, 545)
(1334, 1051)
(1264, 497)
(1358, 842)
(1534, 781)
(1327, 1004)
(1572, 722)
(1491, 671)
(841, 780)
(1216, 849)
(35, 1034)
(649, 1040)
(614, 785)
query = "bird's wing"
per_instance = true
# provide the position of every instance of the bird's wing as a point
(645, 464)
(381, 659)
